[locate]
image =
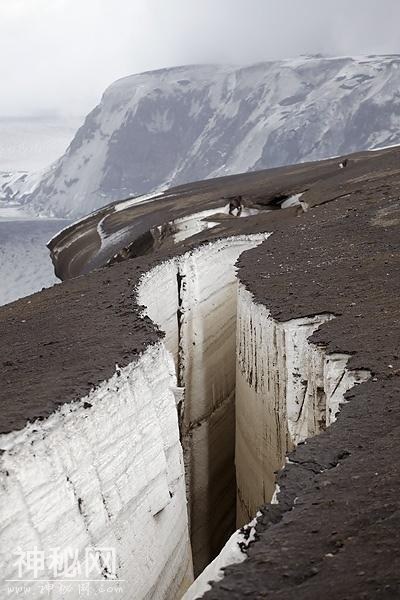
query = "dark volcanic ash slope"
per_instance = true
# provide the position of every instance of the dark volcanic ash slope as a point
(183, 124)
(135, 227)
(81, 327)
(342, 538)
(335, 531)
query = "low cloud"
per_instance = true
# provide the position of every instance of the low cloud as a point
(59, 55)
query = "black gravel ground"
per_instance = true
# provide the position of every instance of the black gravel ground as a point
(336, 531)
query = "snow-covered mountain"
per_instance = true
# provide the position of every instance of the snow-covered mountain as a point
(15, 185)
(176, 125)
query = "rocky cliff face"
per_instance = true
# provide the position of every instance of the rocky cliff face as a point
(177, 125)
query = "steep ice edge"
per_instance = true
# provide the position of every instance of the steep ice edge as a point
(110, 468)
(197, 313)
(102, 472)
(287, 390)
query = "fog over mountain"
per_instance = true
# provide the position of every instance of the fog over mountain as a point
(168, 127)
(60, 55)
(29, 144)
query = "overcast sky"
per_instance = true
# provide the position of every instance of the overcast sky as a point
(57, 56)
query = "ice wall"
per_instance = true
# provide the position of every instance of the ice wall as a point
(109, 471)
(104, 472)
(202, 288)
(287, 390)
(234, 551)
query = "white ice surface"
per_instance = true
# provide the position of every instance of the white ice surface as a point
(109, 475)
(292, 201)
(204, 349)
(287, 390)
(384, 147)
(232, 553)
(286, 386)
(190, 225)
(124, 204)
